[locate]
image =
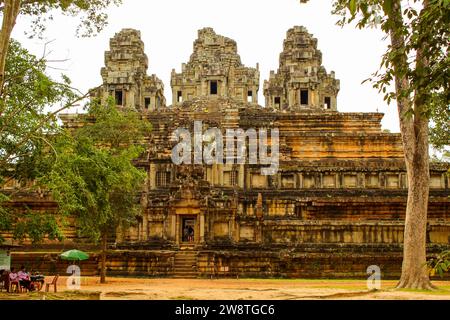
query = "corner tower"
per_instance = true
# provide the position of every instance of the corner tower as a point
(215, 70)
(125, 74)
(301, 82)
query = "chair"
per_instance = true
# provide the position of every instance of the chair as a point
(53, 283)
(22, 288)
(15, 285)
(5, 281)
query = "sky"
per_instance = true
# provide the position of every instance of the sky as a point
(169, 28)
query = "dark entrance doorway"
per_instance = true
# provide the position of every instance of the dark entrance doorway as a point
(188, 230)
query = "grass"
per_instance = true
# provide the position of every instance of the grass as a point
(441, 291)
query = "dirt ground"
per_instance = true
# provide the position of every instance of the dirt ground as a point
(247, 289)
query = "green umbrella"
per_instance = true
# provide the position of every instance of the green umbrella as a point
(74, 255)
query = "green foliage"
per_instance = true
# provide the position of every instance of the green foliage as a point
(440, 126)
(430, 25)
(91, 13)
(25, 123)
(26, 131)
(440, 264)
(36, 226)
(94, 177)
(418, 22)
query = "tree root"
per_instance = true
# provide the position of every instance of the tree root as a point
(419, 283)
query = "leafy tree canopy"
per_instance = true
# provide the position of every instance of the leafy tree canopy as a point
(26, 132)
(91, 13)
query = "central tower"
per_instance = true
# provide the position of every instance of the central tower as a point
(215, 70)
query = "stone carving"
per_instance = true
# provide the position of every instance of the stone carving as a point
(215, 70)
(301, 81)
(125, 76)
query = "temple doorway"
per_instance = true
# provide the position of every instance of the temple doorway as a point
(188, 230)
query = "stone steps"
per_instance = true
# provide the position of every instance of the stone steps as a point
(185, 264)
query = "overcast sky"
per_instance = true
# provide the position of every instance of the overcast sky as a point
(169, 28)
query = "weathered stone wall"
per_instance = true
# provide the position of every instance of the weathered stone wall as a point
(140, 263)
(119, 263)
(329, 261)
(308, 261)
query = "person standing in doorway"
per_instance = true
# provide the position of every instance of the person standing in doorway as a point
(191, 234)
(186, 233)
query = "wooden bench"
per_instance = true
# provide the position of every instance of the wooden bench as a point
(53, 283)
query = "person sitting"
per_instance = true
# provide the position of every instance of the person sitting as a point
(13, 278)
(37, 280)
(24, 279)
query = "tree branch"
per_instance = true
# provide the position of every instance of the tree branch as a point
(402, 83)
(5, 159)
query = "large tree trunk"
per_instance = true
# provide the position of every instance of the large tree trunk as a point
(10, 12)
(414, 271)
(414, 130)
(103, 258)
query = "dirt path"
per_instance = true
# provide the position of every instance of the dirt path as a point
(248, 289)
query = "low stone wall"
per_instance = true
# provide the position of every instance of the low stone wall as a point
(330, 261)
(309, 261)
(140, 263)
(50, 264)
(119, 263)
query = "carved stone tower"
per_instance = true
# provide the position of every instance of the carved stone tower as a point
(215, 70)
(125, 74)
(301, 82)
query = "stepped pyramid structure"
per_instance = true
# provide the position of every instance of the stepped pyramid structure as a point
(335, 206)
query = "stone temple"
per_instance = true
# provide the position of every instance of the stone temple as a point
(335, 207)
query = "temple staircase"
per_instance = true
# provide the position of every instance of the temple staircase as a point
(185, 264)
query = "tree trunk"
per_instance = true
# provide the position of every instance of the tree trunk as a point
(414, 130)
(103, 258)
(10, 12)
(414, 271)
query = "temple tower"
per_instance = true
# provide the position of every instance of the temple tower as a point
(215, 70)
(125, 74)
(301, 82)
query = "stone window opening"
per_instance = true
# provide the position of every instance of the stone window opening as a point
(119, 97)
(179, 96)
(213, 89)
(287, 181)
(162, 178)
(304, 97)
(147, 102)
(277, 101)
(250, 96)
(327, 103)
(233, 178)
